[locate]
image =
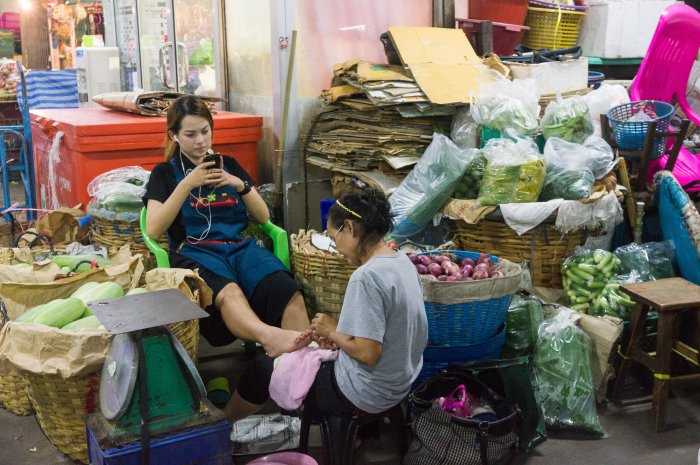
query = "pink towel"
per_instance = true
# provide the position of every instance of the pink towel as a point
(295, 373)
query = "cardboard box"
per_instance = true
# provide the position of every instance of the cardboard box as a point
(620, 29)
(562, 76)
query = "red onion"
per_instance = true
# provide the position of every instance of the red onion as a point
(441, 259)
(434, 269)
(442, 277)
(466, 273)
(468, 269)
(480, 274)
(453, 269)
(422, 269)
(481, 258)
(429, 277)
(413, 257)
(467, 261)
(424, 260)
(482, 267)
(452, 278)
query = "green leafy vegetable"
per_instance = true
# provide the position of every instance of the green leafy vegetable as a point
(568, 120)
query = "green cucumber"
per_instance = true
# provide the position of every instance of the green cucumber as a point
(137, 290)
(86, 322)
(79, 263)
(30, 314)
(61, 312)
(107, 290)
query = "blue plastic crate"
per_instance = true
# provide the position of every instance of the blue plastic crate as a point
(439, 358)
(630, 135)
(465, 323)
(204, 445)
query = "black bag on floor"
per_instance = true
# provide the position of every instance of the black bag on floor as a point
(441, 438)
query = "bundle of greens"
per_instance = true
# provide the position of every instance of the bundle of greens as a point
(566, 184)
(512, 183)
(651, 260)
(502, 112)
(469, 185)
(562, 376)
(568, 119)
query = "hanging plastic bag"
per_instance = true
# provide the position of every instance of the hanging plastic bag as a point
(464, 129)
(428, 186)
(562, 375)
(567, 119)
(514, 172)
(502, 104)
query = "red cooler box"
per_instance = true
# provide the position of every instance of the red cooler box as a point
(96, 140)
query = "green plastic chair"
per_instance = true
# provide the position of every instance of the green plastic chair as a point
(280, 244)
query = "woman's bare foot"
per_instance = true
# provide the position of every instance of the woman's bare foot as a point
(279, 341)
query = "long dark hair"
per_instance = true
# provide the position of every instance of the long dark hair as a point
(184, 106)
(371, 213)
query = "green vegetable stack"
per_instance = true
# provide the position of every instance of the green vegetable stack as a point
(503, 183)
(469, 185)
(505, 112)
(591, 285)
(567, 184)
(568, 120)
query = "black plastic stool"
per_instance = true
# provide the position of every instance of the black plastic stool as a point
(339, 432)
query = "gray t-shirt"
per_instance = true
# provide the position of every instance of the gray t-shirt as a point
(383, 302)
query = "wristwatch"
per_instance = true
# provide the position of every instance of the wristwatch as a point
(246, 188)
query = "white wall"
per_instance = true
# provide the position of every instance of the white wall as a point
(9, 5)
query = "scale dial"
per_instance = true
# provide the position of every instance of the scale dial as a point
(119, 374)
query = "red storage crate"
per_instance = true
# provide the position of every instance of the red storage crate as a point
(500, 11)
(97, 140)
(505, 36)
(10, 21)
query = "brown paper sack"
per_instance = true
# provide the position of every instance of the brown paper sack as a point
(603, 331)
(187, 281)
(61, 226)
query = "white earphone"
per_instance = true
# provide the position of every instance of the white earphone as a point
(205, 233)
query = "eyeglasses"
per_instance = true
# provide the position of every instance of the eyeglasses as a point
(332, 245)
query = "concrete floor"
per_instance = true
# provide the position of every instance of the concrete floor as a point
(631, 439)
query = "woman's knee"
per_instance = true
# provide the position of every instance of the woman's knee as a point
(231, 293)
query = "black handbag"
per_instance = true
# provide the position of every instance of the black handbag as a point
(444, 439)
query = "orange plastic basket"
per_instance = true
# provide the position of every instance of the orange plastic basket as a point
(552, 28)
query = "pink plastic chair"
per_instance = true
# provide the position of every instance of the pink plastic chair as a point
(663, 75)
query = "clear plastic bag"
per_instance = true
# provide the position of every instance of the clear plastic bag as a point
(562, 375)
(464, 129)
(428, 186)
(567, 119)
(468, 187)
(602, 154)
(117, 194)
(603, 99)
(648, 261)
(514, 172)
(569, 170)
(502, 104)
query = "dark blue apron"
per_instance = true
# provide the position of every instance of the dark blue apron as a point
(222, 250)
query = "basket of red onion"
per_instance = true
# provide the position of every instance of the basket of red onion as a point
(466, 294)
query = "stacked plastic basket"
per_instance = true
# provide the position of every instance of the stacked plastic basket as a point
(473, 329)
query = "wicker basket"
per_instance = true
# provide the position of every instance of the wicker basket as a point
(552, 28)
(60, 404)
(115, 233)
(323, 276)
(544, 247)
(13, 395)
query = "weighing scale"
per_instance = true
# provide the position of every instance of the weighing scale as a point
(149, 388)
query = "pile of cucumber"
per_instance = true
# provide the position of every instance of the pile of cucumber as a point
(591, 285)
(72, 313)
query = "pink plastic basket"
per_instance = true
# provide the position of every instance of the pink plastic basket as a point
(10, 21)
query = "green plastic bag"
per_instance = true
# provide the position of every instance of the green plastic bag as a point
(522, 320)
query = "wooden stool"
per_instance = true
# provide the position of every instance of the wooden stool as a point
(670, 297)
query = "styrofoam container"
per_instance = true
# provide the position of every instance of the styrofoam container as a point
(620, 29)
(562, 76)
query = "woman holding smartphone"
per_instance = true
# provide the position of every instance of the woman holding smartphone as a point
(203, 202)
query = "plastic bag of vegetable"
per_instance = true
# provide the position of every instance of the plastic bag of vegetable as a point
(562, 375)
(428, 186)
(602, 154)
(502, 104)
(567, 119)
(514, 172)
(468, 187)
(524, 317)
(651, 260)
(569, 170)
(117, 193)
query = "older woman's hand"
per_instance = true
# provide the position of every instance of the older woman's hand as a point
(323, 325)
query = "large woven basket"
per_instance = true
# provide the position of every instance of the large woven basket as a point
(115, 233)
(61, 403)
(544, 247)
(323, 276)
(13, 388)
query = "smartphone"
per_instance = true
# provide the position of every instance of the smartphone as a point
(214, 157)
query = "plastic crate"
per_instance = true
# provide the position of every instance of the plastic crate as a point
(439, 358)
(502, 11)
(204, 445)
(10, 21)
(631, 135)
(552, 28)
(505, 36)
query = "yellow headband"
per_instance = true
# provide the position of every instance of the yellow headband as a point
(347, 209)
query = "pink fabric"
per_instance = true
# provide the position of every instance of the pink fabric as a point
(295, 373)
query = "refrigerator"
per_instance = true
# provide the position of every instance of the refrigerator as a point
(169, 45)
